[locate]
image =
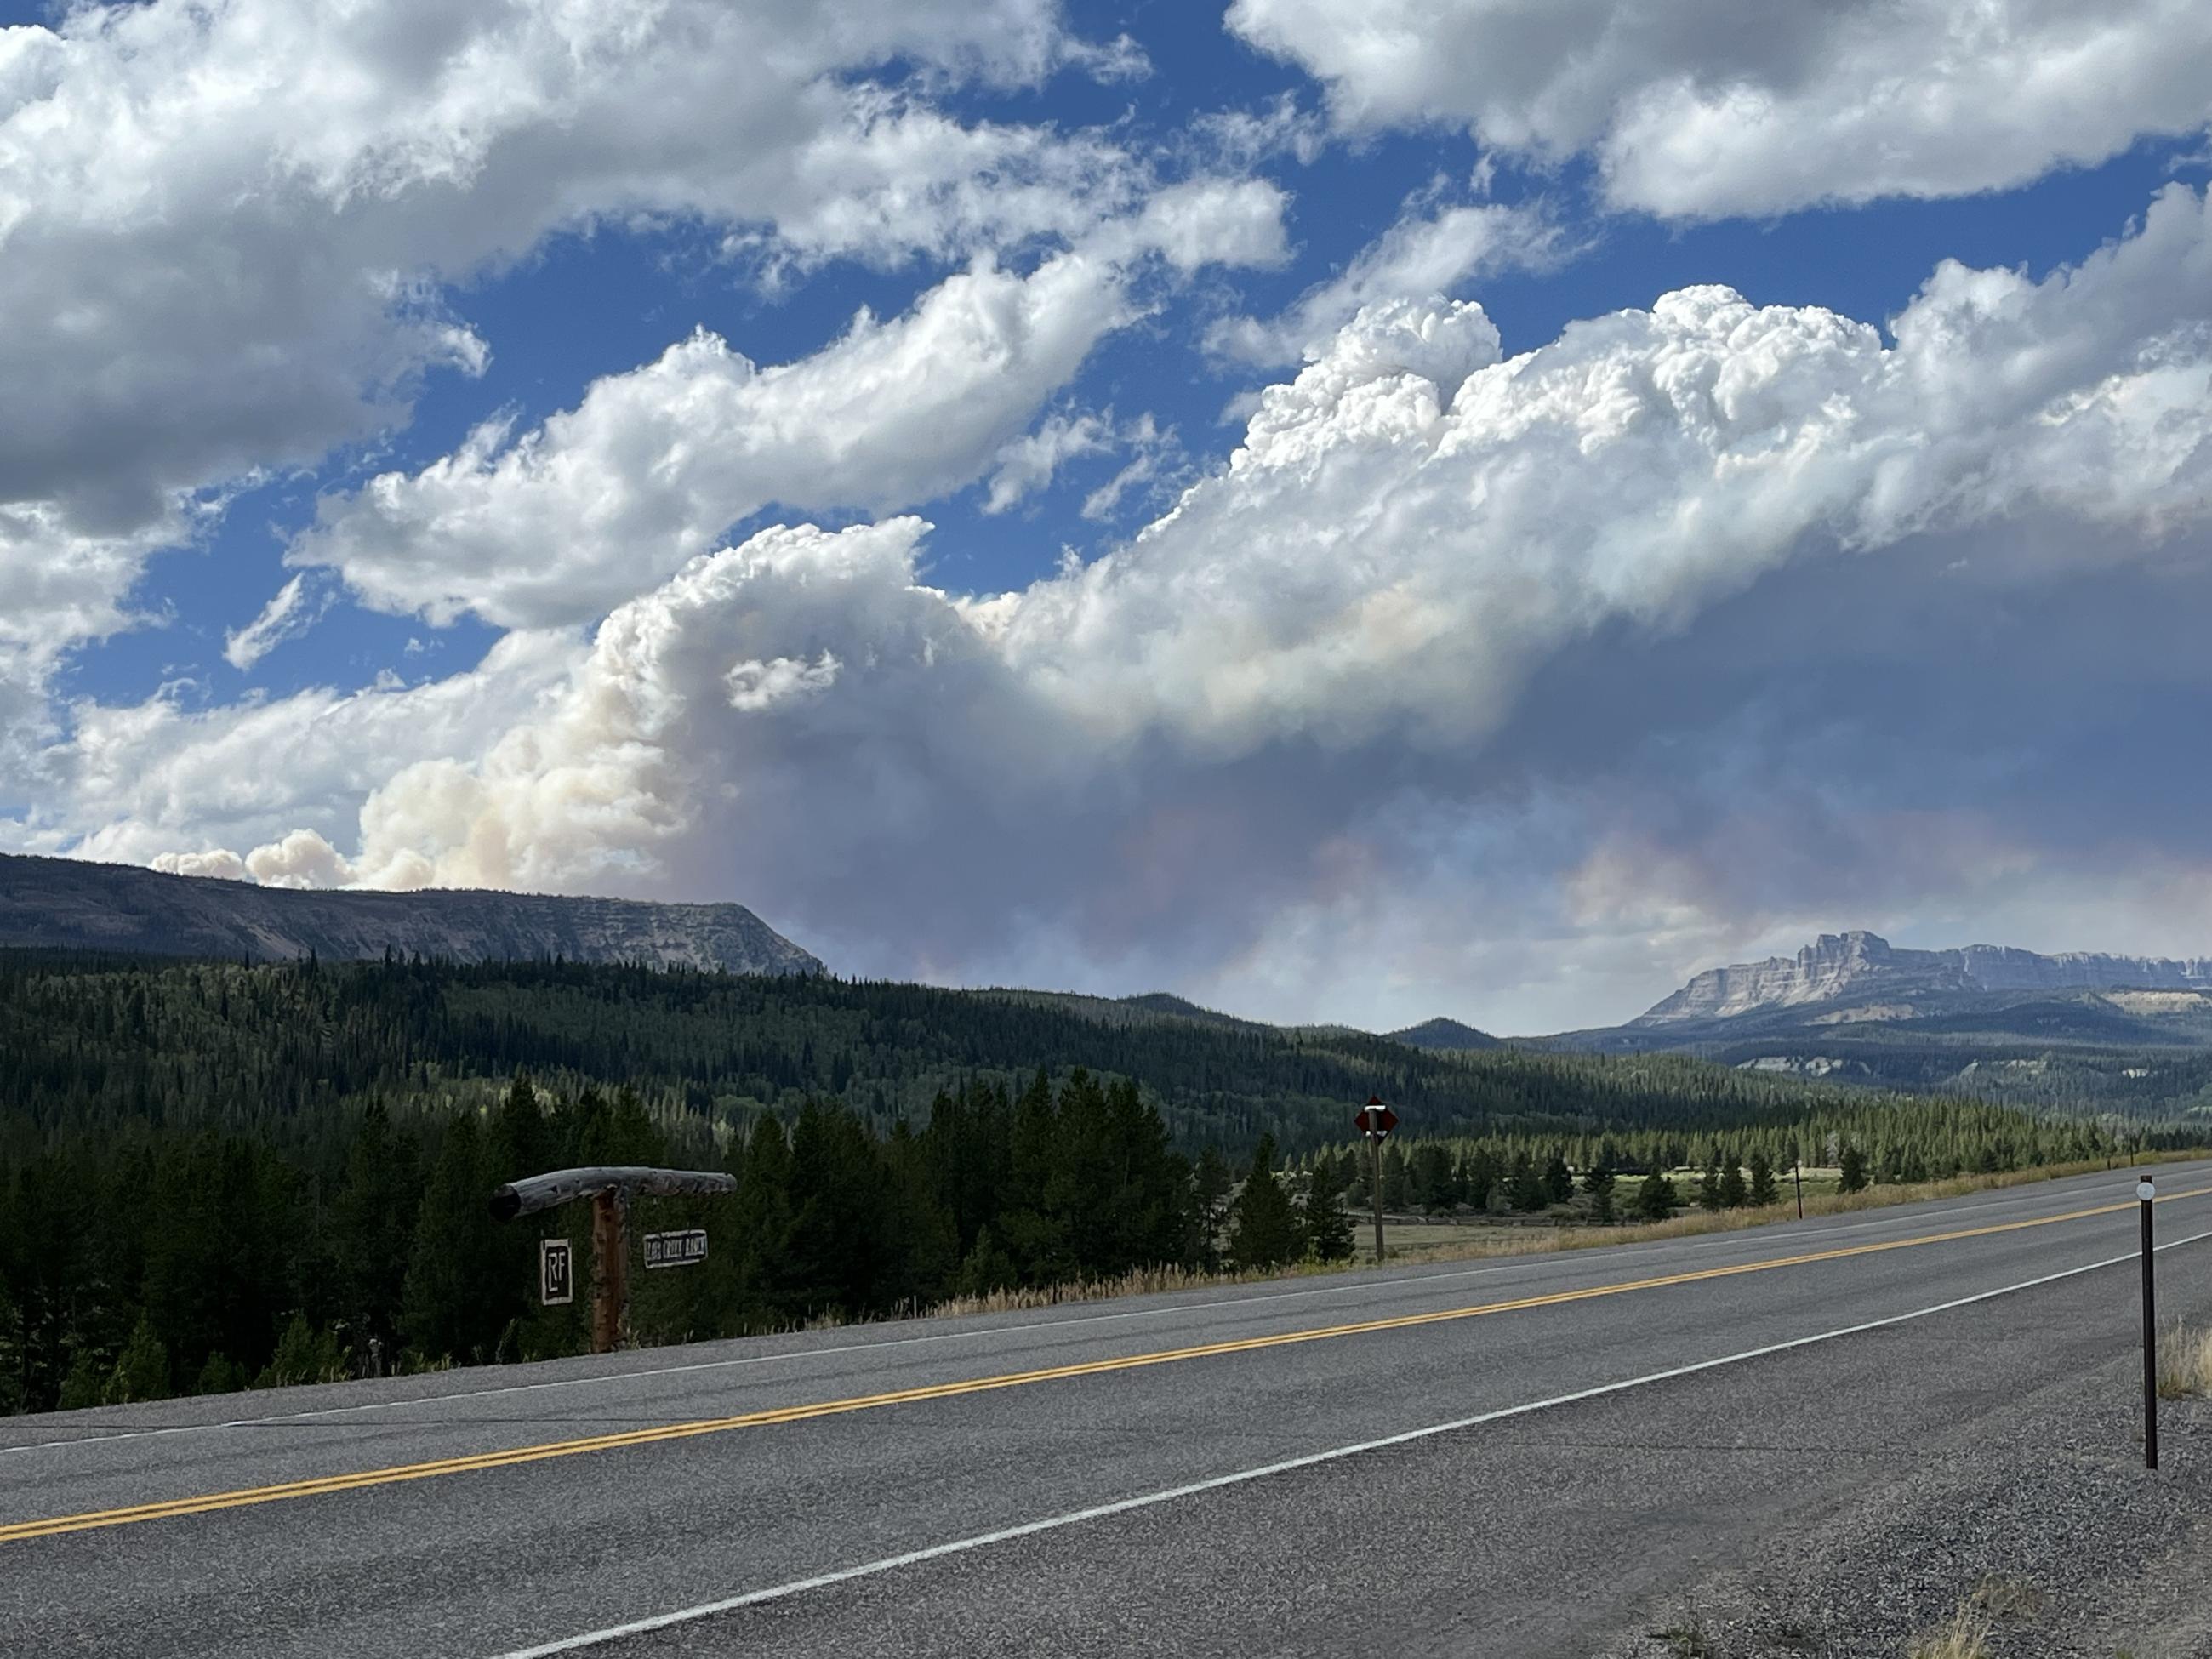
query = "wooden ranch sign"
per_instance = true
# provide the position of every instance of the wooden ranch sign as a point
(682, 1250)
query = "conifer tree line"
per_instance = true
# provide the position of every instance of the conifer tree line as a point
(201, 1261)
(213, 1174)
(271, 1049)
(1866, 1141)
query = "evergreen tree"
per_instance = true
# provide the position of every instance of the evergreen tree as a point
(987, 1267)
(85, 1384)
(219, 1376)
(142, 1370)
(1481, 1173)
(1852, 1178)
(920, 1243)
(522, 1141)
(373, 1216)
(1558, 1181)
(763, 1229)
(1430, 1185)
(1327, 1229)
(1356, 1168)
(221, 1232)
(1598, 1181)
(1762, 1191)
(13, 1389)
(1394, 1181)
(1732, 1189)
(1524, 1187)
(1709, 1184)
(1147, 1185)
(835, 1257)
(1210, 1190)
(453, 1302)
(1655, 1197)
(1263, 1231)
(303, 1355)
(1032, 1230)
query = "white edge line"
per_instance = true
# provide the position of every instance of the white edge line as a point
(1533, 1259)
(1123, 1506)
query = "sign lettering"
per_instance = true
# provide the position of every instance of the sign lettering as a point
(682, 1249)
(557, 1276)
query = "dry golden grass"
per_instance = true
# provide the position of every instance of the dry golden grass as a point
(2002, 1596)
(1144, 1281)
(1528, 1240)
(1966, 1635)
(2185, 1362)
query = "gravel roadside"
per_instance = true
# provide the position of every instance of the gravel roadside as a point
(2053, 1535)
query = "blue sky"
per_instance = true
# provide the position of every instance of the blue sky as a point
(1565, 766)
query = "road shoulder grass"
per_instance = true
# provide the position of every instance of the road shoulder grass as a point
(1524, 1239)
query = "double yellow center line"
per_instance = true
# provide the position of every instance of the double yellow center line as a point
(321, 1486)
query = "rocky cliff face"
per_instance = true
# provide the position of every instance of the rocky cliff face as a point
(67, 904)
(1853, 967)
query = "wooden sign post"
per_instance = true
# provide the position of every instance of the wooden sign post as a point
(610, 1187)
(1375, 1121)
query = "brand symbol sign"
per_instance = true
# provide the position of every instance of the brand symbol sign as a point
(557, 1274)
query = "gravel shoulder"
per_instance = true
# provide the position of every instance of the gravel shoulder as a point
(2052, 1532)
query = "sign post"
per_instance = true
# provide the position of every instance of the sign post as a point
(609, 1268)
(1797, 1174)
(2148, 1193)
(610, 1187)
(1375, 1121)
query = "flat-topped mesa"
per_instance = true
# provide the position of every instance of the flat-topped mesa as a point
(69, 904)
(1853, 966)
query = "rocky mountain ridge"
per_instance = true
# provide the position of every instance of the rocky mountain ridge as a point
(71, 904)
(1858, 966)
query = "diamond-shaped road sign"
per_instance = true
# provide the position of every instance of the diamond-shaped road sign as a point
(1375, 1118)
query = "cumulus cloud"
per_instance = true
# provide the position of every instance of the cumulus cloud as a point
(1699, 108)
(59, 585)
(1425, 253)
(233, 219)
(239, 225)
(134, 781)
(1805, 623)
(653, 465)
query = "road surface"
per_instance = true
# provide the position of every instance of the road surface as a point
(1514, 1457)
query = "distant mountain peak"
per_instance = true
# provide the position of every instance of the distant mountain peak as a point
(1839, 968)
(1441, 1033)
(71, 904)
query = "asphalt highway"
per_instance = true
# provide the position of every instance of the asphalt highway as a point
(1514, 1457)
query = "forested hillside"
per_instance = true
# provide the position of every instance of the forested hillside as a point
(213, 1174)
(93, 1043)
